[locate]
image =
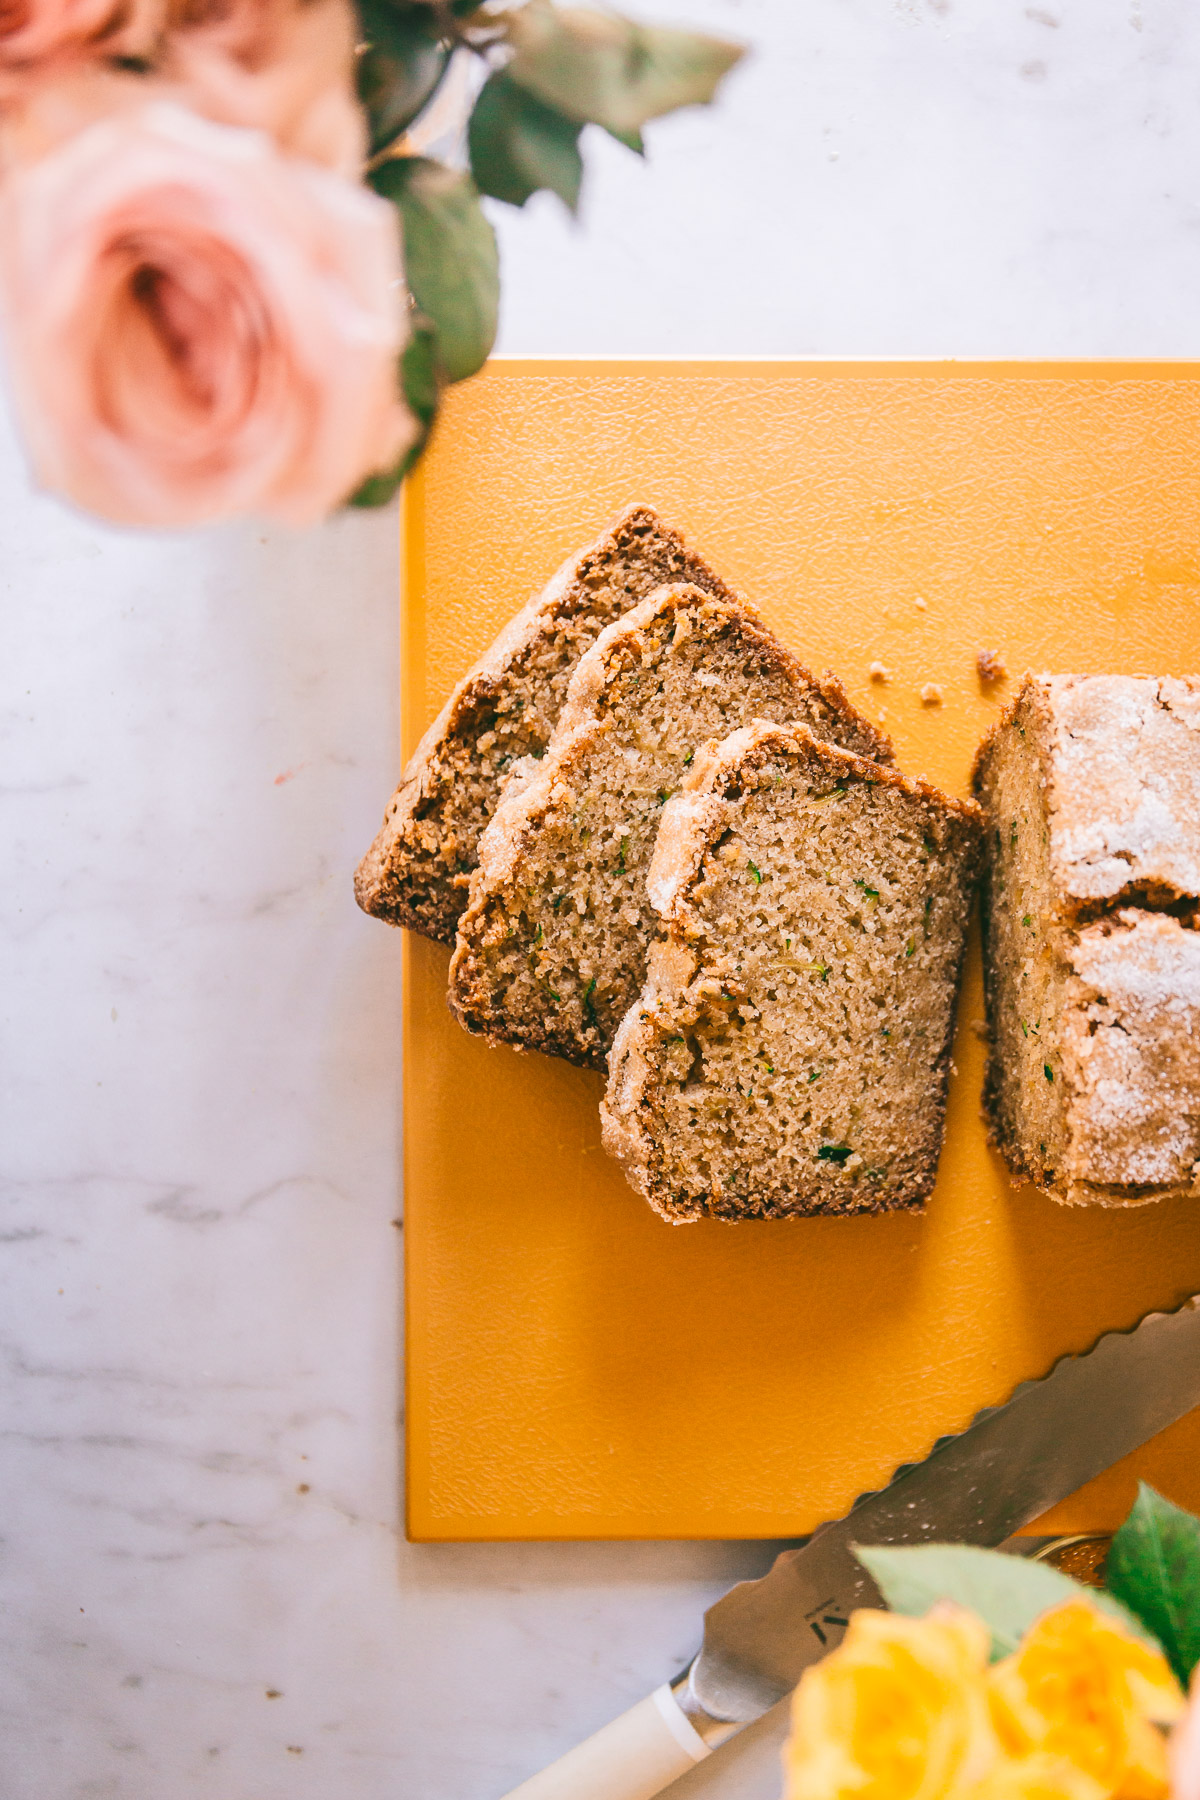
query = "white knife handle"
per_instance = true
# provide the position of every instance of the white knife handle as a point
(634, 1758)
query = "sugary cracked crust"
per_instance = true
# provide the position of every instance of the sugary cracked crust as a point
(416, 872)
(1115, 761)
(512, 850)
(1131, 1061)
(1124, 771)
(698, 818)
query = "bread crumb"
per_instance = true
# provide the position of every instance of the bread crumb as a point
(878, 672)
(980, 1028)
(931, 694)
(990, 666)
(919, 603)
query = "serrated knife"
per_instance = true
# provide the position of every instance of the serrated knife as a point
(1011, 1464)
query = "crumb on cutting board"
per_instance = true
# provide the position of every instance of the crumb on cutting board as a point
(879, 672)
(990, 666)
(931, 694)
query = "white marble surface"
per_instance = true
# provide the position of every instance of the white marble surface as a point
(204, 1588)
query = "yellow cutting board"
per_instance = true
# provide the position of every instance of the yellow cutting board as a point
(576, 1367)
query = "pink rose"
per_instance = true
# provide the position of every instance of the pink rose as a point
(63, 98)
(199, 326)
(1185, 1750)
(284, 67)
(36, 32)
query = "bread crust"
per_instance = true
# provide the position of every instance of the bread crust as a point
(694, 820)
(512, 843)
(1115, 763)
(1131, 1062)
(415, 873)
(1001, 1134)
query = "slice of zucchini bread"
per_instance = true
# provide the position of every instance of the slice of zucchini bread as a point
(417, 870)
(1091, 785)
(552, 949)
(789, 1053)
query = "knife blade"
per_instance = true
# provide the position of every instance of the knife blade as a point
(1010, 1465)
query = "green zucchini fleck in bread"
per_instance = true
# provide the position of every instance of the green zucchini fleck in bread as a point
(789, 1053)
(417, 870)
(552, 949)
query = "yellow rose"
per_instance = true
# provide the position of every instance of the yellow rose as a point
(1038, 1777)
(898, 1712)
(1081, 1689)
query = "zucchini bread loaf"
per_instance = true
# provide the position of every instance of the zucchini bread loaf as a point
(789, 1053)
(416, 872)
(552, 949)
(1091, 785)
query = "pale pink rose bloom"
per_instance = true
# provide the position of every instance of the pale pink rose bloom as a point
(34, 33)
(64, 99)
(199, 326)
(286, 68)
(1185, 1750)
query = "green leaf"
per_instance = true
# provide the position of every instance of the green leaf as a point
(1154, 1567)
(518, 145)
(632, 140)
(419, 372)
(393, 90)
(401, 69)
(410, 34)
(376, 490)
(1007, 1592)
(450, 257)
(605, 70)
(421, 389)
